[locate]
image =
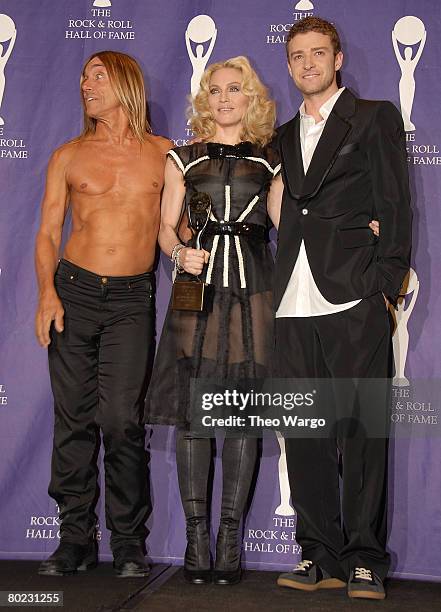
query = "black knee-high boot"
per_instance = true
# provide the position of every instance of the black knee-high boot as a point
(193, 458)
(238, 463)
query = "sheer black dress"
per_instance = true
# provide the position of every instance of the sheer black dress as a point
(234, 340)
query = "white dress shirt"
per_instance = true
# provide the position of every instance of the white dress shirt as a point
(302, 297)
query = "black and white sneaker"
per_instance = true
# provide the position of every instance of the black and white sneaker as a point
(308, 576)
(364, 584)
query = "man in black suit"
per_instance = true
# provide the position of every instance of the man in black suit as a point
(344, 163)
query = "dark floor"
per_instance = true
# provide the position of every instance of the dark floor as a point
(258, 592)
(166, 591)
(97, 589)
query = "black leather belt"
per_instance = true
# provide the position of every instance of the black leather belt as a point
(235, 228)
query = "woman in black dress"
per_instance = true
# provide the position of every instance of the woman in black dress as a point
(233, 163)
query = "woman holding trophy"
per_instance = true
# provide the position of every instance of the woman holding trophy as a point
(224, 180)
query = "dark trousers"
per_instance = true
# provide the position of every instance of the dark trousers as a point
(99, 368)
(339, 534)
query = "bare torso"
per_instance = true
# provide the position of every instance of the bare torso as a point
(115, 203)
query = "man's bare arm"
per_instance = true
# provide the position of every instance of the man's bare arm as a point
(53, 213)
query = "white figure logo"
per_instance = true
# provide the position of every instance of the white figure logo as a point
(7, 33)
(400, 338)
(102, 3)
(304, 5)
(200, 29)
(284, 508)
(408, 31)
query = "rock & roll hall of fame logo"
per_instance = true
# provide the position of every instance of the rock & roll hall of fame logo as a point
(200, 38)
(282, 23)
(410, 32)
(400, 340)
(284, 508)
(100, 24)
(11, 146)
(8, 34)
(304, 5)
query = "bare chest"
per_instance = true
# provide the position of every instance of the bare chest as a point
(103, 171)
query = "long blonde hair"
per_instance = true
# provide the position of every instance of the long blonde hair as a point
(127, 82)
(258, 121)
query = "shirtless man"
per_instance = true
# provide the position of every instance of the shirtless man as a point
(96, 313)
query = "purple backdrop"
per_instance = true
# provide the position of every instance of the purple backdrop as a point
(40, 110)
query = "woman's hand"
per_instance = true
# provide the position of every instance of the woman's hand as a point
(193, 260)
(375, 227)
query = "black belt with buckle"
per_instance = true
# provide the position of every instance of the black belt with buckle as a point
(236, 228)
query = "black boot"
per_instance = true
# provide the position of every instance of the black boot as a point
(238, 463)
(129, 561)
(193, 458)
(70, 558)
(197, 560)
(227, 569)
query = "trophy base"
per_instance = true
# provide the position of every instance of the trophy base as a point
(283, 510)
(400, 382)
(194, 296)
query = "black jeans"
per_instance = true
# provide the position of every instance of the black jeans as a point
(99, 368)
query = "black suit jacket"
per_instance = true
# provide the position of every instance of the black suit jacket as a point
(358, 173)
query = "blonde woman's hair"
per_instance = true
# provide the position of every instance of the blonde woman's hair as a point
(127, 82)
(258, 121)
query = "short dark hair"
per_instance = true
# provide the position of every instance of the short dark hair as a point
(315, 24)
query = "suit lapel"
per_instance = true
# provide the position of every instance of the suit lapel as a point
(335, 133)
(292, 157)
(327, 149)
